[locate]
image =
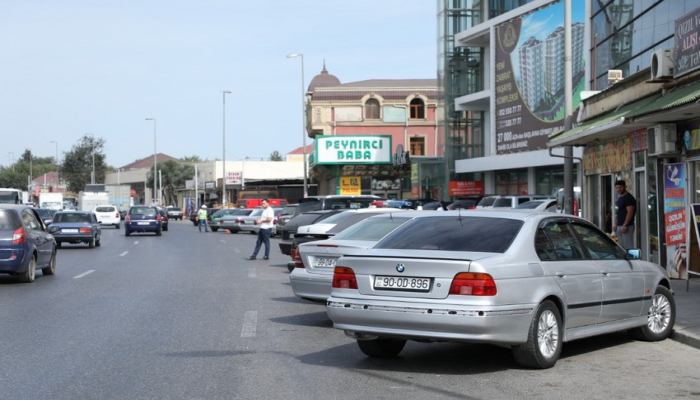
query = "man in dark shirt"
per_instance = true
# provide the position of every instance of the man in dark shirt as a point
(626, 206)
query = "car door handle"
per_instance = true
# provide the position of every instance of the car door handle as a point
(560, 274)
(605, 273)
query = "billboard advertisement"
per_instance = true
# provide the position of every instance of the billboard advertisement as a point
(675, 218)
(529, 76)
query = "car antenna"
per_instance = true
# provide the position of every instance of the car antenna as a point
(459, 216)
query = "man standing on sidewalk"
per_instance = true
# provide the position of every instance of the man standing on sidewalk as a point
(265, 222)
(626, 206)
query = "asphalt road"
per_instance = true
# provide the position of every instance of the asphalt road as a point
(185, 316)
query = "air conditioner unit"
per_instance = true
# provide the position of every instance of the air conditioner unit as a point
(662, 63)
(662, 139)
(614, 76)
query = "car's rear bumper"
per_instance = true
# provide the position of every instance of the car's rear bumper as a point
(73, 238)
(432, 321)
(14, 260)
(286, 247)
(151, 227)
(310, 286)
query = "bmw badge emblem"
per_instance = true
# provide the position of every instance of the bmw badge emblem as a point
(400, 268)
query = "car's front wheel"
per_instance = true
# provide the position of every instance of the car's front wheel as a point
(28, 275)
(381, 348)
(544, 339)
(661, 317)
(51, 269)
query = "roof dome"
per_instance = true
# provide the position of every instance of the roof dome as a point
(323, 79)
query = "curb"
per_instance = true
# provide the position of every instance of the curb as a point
(680, 335)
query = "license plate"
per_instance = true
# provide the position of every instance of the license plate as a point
(144, 223)
(325, 262)
(69, 231)
(402, 283)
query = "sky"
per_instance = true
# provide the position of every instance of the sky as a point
(73, 67)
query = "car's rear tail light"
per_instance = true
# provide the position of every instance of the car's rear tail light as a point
(296, 257)
(84, 230)
(344, 278)
(116, 215)
(19, 236)
(127, 218)
(158, 218)
(469, 284)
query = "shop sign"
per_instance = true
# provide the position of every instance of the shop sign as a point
(401, 157)
(374, 149)
(609, 157)
(234, 177)
(691, 138)
(638, 140)
(350, 185)
(466, 188)
(674, 203)
(687, 43)
(209, 186)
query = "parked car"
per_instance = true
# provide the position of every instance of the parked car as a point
(232, 222)
(143, 219)
(467, 202)
(174, 213)
(164, 218)
(498, 201)
(548, 205)
(247, 223)
(334, 202)
(410, 203)
(255, 203)
(25, 243)
(529, 281)
(46, 214)
(76, 227)
(290, 227)
(108, 215)
(216, 217)
(195, 213)
(314, 261)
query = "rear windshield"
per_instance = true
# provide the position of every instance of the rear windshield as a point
(371, 228)
(71, 217)
(8, 221)
(289, 210)
(503, 202)
(105, 209)
(487, 201)
(341, 216)
(529, 205)
(490, 235)
(142, 211)
(464, 204)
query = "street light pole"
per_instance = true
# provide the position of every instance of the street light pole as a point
(223, 179)
(11, 154)
(57, 167)
(303, 120)
(92, 143)
(155, 162)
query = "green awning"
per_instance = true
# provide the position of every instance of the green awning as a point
(676, 98)
(601, 123)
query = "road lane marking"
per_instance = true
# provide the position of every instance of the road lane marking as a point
(252, 272)
(123, 254)
(136, 242)
(222, 241)
(250, 322)
(83, 274)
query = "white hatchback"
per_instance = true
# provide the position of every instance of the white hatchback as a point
(108, 215)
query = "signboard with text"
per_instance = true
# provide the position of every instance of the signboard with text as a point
(529, 76)
(368, 149)
(687, 43)
(675, 217)
(466, 188)
(234, 177)
(350, 185)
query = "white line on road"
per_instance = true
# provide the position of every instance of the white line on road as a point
(123, 254)
(136, 242)
(222, 241)
(83, 274)
(252, 272)
(250, 322)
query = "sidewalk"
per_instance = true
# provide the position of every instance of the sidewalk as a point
(687, 328)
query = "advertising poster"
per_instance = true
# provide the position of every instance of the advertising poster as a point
(529, 78)
(350, 185)
(675, 219)
(466, 188)
(687, 43)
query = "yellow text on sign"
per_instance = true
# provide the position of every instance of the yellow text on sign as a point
(350, 185)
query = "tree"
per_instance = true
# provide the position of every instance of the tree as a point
(276, 156)
(77, 165)
(16, 176)
(173, 174)
(192, 159)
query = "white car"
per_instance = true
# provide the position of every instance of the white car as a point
(108, 215)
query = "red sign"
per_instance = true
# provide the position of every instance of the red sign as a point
(675, 227)
(466, 188)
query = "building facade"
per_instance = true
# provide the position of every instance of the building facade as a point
(375, 137)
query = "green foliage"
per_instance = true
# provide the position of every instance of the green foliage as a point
(276, 156)
(173, 174)
(17, 175)
(192, 159)
(77, 164)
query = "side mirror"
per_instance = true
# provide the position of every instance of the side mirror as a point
(634, 254)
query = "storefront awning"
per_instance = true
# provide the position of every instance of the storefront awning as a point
(608, 125)
(678, 97)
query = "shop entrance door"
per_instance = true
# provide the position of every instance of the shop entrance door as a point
(641, 232)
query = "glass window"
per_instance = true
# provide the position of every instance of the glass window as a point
(7, 221)
(372, 109)
(600, 246)
(417, 109)
(373, 228)
(417, 146)
(479, 234)
(563, 240)
(30, 221)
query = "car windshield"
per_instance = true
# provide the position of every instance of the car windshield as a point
(480, 234)
(341, 216)
(289, 209)
(71, 217)
(372, 228)
(105, 209)
(529, 205)
(487, 201)
(44, 213)
(503, 202)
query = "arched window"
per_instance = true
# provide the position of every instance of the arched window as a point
(372, 109)
(417, 109)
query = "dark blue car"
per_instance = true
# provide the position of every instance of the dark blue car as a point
(143, 219)
(76, 227)
(25, 243)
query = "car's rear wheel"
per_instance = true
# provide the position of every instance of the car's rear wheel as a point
(58, 244)
(28, 275)
(660, 317)
(159, 232)
(118, 226)
(51, 269)
(544, 339)
(381, 348)
(98, 241)
(165, 228)
(91, 243)
(126, 232)
(214, 229)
